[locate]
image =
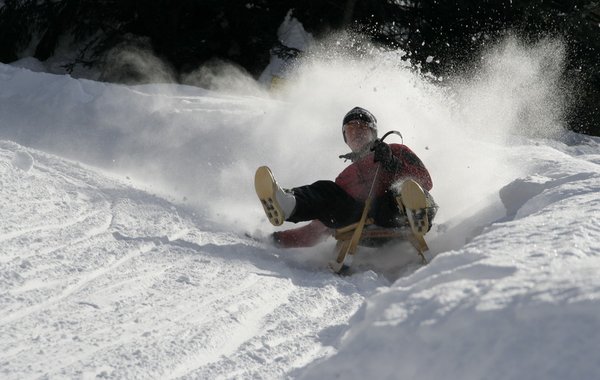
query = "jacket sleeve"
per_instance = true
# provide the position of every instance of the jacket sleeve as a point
(410, 165)
(305, 236)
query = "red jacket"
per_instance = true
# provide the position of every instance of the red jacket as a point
(356, 180)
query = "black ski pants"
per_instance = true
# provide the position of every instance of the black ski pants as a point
(329, 203)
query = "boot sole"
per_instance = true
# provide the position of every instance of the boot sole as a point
(415, 204)
(265, 186)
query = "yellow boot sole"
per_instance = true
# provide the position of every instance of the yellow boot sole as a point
(265, 186)
(415, 205)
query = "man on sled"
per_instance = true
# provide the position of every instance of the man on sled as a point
(386, 185)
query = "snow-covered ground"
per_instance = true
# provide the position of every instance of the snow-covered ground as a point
(126, 210)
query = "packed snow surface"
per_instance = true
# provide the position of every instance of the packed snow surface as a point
(132, 246)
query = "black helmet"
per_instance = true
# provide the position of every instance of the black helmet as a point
(358, 113)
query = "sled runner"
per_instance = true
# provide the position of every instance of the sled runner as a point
(413, 201)
(372, 236)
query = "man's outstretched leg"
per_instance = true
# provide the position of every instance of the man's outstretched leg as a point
(323, 200)
(277, 203)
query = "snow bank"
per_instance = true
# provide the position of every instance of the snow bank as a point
(516, 302)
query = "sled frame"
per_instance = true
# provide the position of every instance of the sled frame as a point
(344, 235)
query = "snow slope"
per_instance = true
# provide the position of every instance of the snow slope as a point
(100, 279)
(124, 212)
(518, 301)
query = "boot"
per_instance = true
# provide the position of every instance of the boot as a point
(413, 201)
(279, 204)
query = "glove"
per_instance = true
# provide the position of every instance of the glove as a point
(383, 154)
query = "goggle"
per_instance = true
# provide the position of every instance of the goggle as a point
(357, 124)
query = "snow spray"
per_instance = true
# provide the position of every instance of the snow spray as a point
(200, 146)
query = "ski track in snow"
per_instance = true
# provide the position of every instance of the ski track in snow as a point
(98, 279)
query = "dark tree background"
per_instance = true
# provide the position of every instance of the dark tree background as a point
(189, 33)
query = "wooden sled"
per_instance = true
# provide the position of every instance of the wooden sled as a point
(372, 236)
(413, 203)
